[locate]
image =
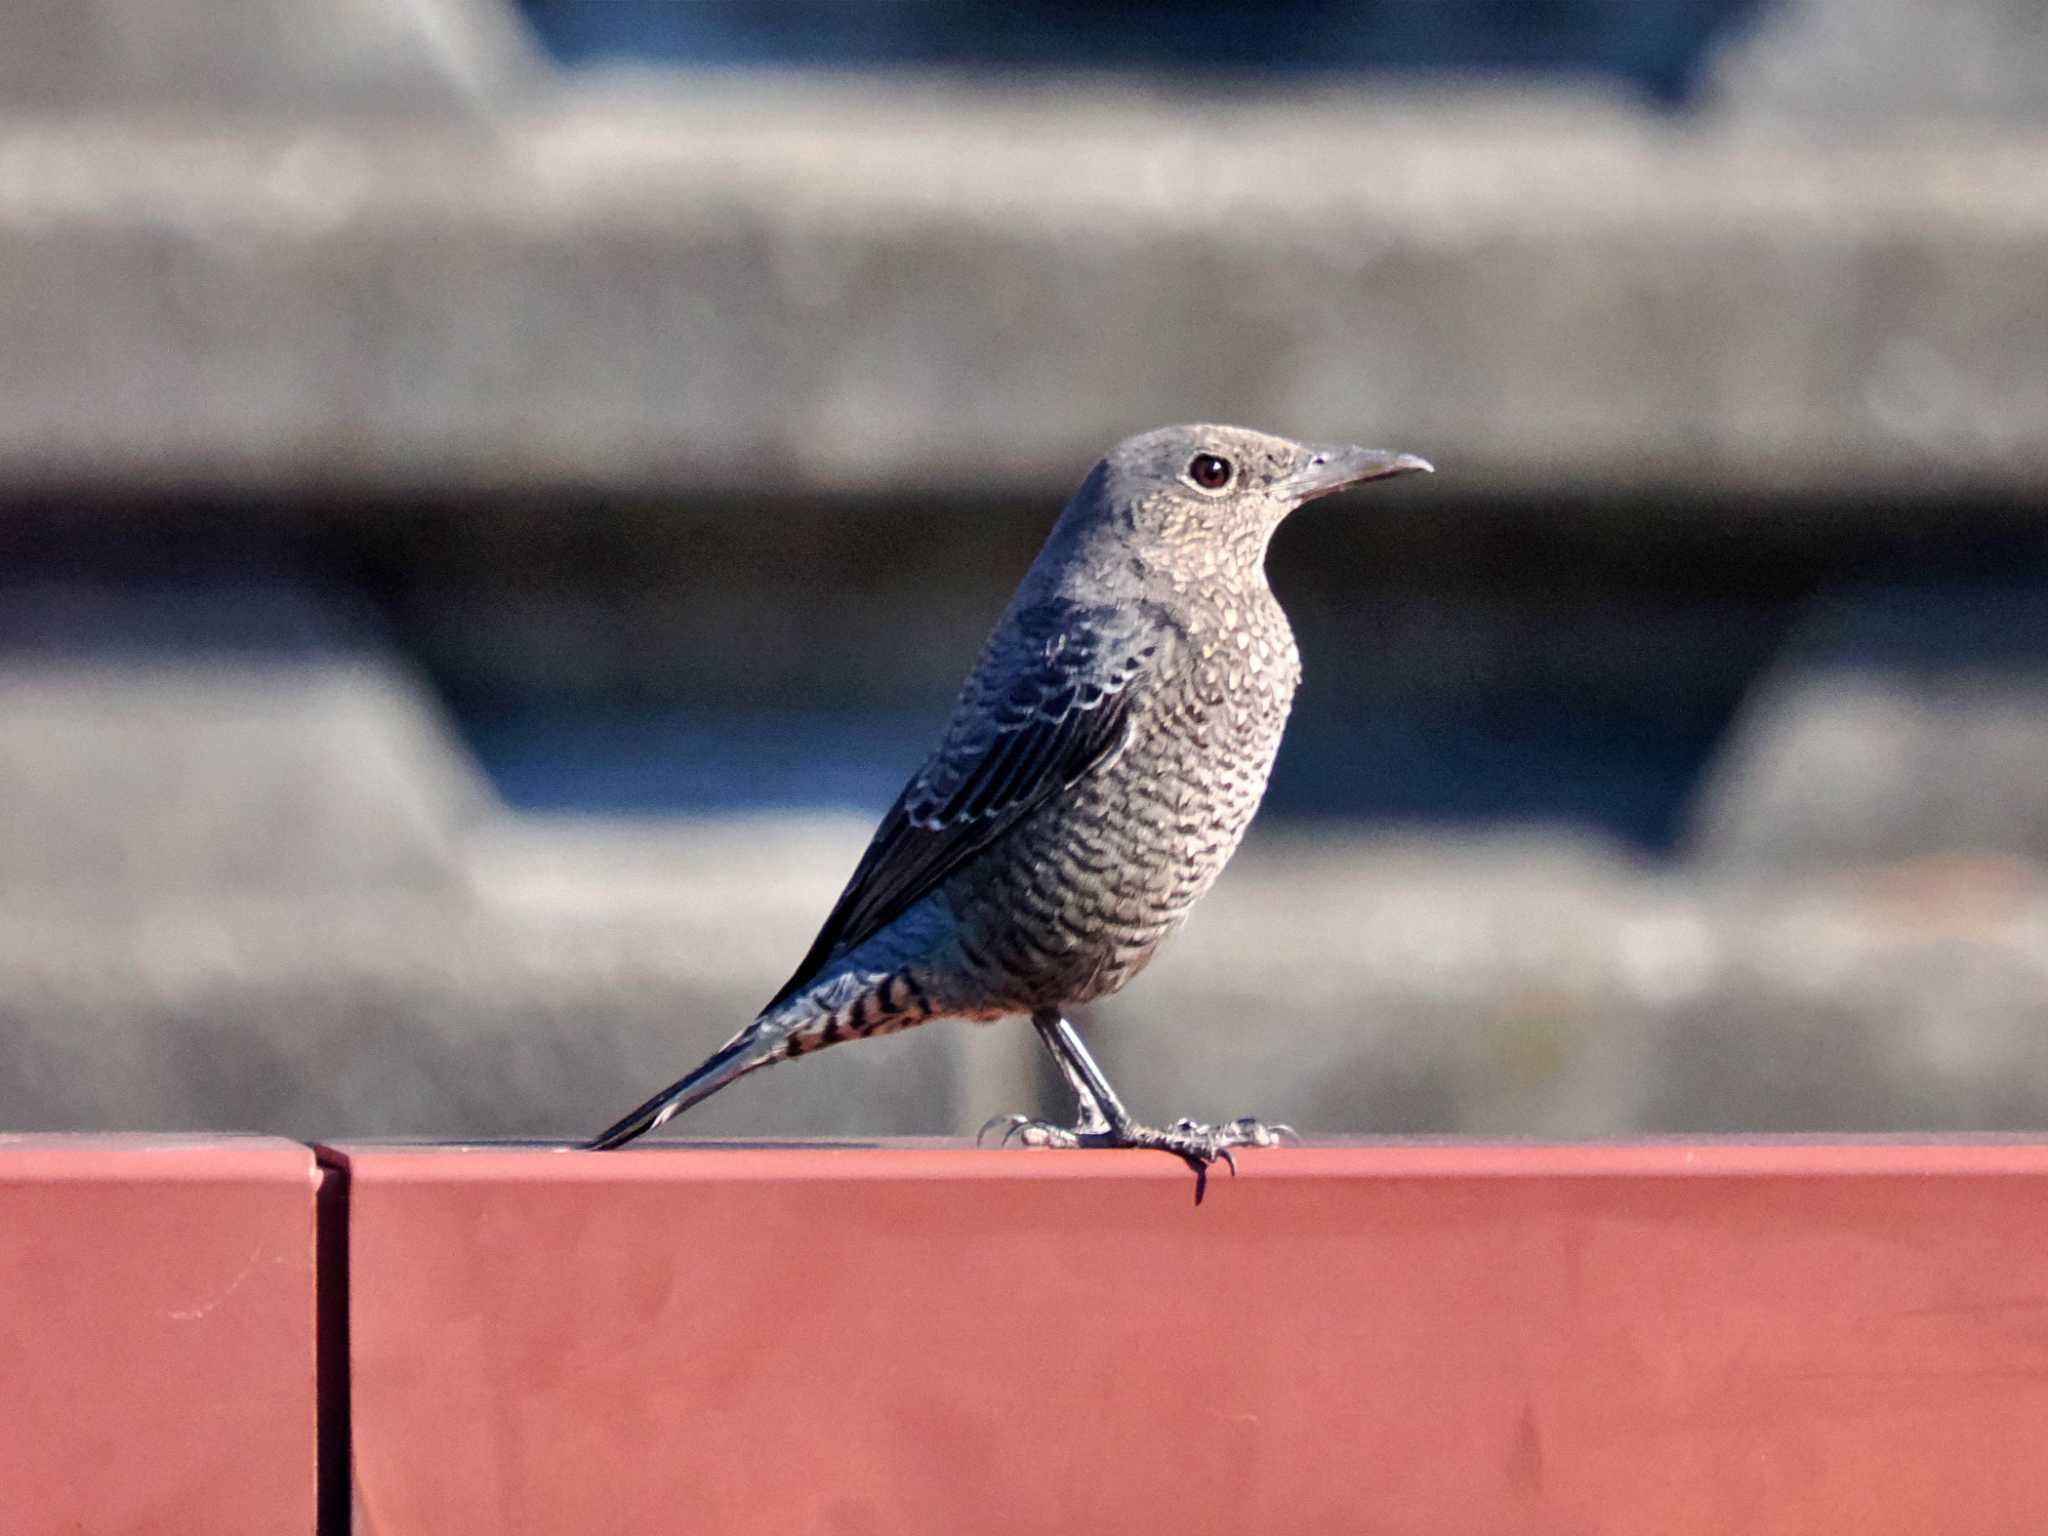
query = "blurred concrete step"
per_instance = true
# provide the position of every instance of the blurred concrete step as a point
(1507, 986)
(1864, 61)
(1345, 984)
(166, 743)
(1902, 721)
(294, 57)
(807, 286)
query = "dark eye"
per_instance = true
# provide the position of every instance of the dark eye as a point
(1209, 472)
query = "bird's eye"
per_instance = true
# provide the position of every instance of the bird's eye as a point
(1210, 472)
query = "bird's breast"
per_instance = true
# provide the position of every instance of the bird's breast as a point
(1176, 802)
(1088, 886)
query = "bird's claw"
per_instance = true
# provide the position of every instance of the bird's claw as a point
(1011, 1124)
(1199, 1145)
(1194, 1143)
(1257, 1133)
(1241, 1132)
(1026, 1132)
(1042, 1133)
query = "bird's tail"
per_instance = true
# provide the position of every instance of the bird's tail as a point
(752, 1048)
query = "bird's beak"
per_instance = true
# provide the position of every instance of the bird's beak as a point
(1328, 470)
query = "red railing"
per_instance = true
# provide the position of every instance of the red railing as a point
(1685, 1337)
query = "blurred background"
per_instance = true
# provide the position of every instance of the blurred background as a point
(495, 498)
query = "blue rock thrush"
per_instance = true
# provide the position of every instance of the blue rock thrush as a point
(1104, 759)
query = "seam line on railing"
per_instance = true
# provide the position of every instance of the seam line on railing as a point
(333, 1448)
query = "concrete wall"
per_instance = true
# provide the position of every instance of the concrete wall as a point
(834, 288)
(339, 283)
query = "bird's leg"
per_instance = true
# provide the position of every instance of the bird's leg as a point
(1099, 1109)
(1104, 1122)
(1091, 1087)
(1091, 1112)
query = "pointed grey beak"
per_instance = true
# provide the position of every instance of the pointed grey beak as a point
(1328, 470)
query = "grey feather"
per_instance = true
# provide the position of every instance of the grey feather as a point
(1020, 734)
(1104, 758)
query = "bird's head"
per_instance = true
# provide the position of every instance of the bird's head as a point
(1197, 489)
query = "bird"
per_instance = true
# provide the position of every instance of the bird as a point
(1104, 758)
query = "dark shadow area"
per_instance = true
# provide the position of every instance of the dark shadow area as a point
(1468, 662)
(1654, 45)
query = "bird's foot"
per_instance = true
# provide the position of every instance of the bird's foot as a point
(1027, 1132)
(1195, 1144)
(1242, 1132)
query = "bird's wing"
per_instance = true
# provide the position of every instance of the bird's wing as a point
(1048, 704)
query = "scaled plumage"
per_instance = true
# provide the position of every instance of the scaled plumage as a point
(1104, 759)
